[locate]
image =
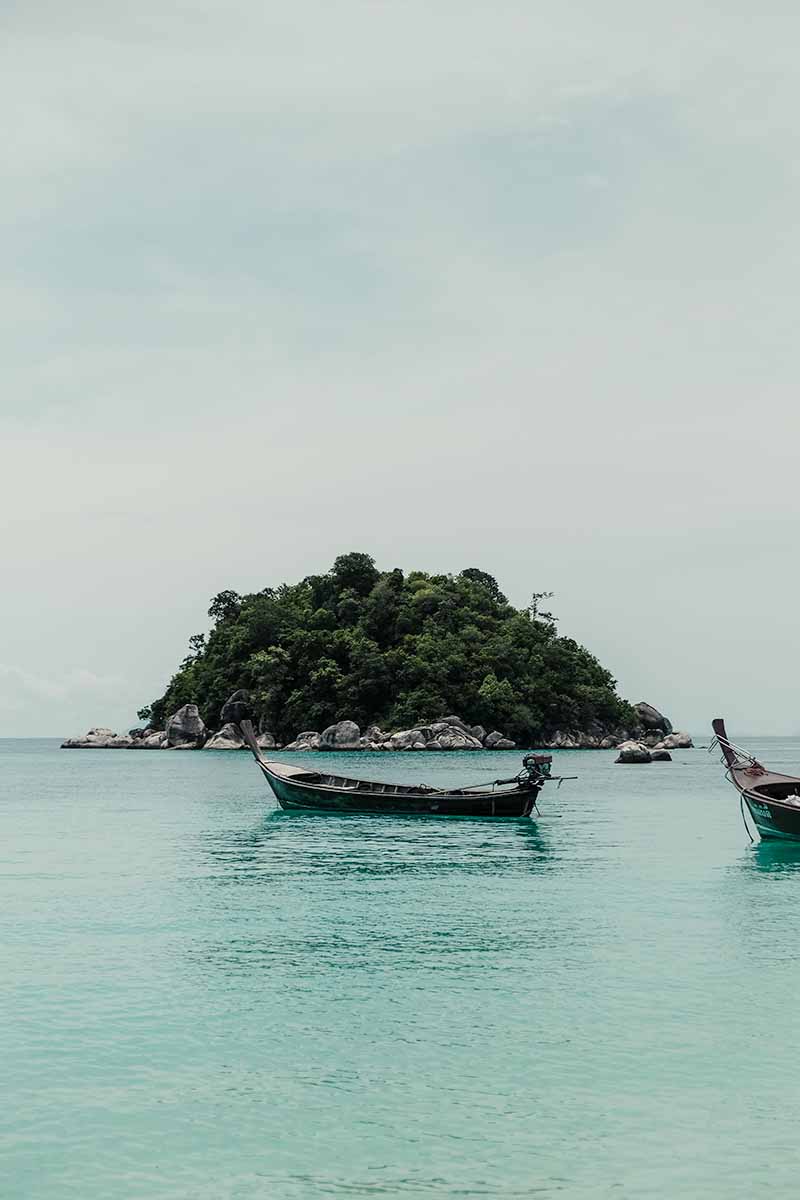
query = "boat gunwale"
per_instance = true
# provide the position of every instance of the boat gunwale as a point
(392, 790)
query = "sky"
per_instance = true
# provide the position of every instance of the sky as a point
(510, 286)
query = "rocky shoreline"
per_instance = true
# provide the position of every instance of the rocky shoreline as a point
(650, 740)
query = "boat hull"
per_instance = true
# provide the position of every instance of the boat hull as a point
(773, 821)
(295, 796)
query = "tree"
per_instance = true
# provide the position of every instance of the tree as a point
(391, 649)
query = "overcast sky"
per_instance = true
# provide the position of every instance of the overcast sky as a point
(458, 284)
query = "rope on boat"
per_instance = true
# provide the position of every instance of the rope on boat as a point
(721, 742)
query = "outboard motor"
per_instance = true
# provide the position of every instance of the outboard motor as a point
(536, 766)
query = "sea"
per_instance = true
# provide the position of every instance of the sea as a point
(203, 997)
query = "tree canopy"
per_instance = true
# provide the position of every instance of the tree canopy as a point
(392, 649)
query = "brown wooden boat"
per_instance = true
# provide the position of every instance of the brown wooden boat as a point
(298, 789)
(773, 800)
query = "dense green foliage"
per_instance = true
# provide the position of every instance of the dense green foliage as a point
(395, 650)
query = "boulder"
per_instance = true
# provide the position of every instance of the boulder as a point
(478, 732)
(660, 756)
(236, 708)
(228, 738)
(456, 722)
(344, 735)
(505, 744)
(99, 738)
(375, 734)
(651, 718)
(266, 741)
(404, 738)
(309, 739)
(633, 752)
(156, 740)
(185, 728)
(491, 739)
(677, 741)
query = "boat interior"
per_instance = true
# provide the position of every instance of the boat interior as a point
(342, 783)
(785, 790)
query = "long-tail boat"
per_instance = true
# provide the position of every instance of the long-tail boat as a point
(299, 789)
(772, 800)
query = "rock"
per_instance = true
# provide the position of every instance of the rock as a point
(405, 738)
(478, 732)
(153, 741)
(266, 741)
(651, 718)
(99, 738)
(505, 744)
(309, 739)
(677, 741)
(375, 734)
(491, 739)
(660, 756)
(344, 735)
(228, 738)
(185, 728)
(456, 723)
(633, 752)
(235, 709)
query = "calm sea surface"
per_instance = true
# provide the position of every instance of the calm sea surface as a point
(203, 997)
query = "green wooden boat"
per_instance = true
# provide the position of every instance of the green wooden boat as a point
(298, 789)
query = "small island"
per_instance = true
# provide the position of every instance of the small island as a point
(396, 656)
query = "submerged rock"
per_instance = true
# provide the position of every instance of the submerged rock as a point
(660, 756)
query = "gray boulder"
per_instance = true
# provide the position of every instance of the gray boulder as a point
(228, 738)
(477, 731)
(156, 740)
(677, 741)
(235, 709)
(560, 741)
(492, 739)
(456, 722)
(309, 739)
(651, 718)
(505, 744)
(99, 738)
(266, 741)
(344, 735)
(633, 752)
(185, 728)
(660, 756)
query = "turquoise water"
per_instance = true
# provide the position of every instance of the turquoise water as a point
(203, 997)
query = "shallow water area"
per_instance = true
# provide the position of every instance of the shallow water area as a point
(204, 997)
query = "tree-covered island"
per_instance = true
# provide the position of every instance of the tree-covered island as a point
(389, 649)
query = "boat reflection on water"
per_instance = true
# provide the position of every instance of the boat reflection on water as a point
(281, 846)
(775, 858)
(352, 894)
